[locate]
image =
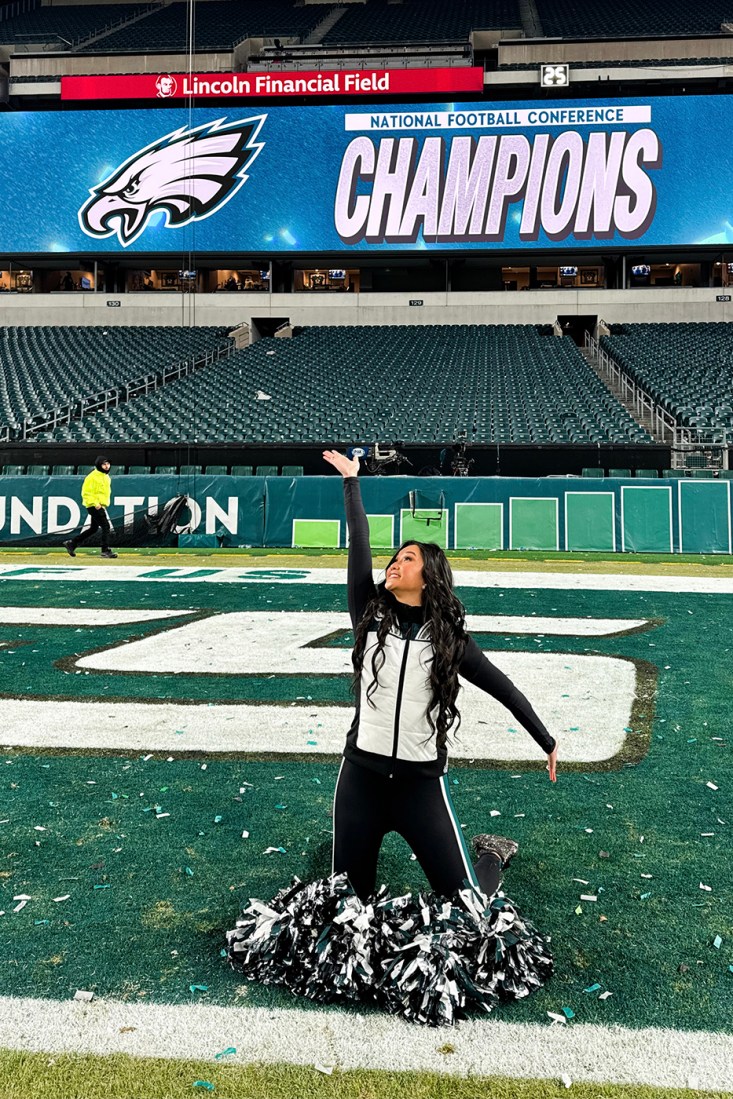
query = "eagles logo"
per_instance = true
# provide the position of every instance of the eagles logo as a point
(188, 174)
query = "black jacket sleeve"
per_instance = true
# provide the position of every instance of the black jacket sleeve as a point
(360, 582)
(477, 669)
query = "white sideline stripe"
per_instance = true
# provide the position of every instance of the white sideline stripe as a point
(483, 1047)
(76, 616)
(562, 581)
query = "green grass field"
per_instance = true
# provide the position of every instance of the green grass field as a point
(146, 847)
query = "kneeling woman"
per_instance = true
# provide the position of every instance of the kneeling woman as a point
(431, 958)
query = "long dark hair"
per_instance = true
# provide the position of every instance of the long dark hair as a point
(445, 619)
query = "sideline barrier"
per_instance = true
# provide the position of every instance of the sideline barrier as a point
(490, 513)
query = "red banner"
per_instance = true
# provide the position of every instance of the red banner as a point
(264, 85)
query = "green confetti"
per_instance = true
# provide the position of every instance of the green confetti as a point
(218, 819)
(281, 806)
(644, 896)
(568, 1012)
(578, 911)
(189, 871)
(592, 988)
(203, 1084)
(198, 988)
(225, 1053)
(103, 886)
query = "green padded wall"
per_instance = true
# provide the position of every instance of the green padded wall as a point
(533, 523)
(646, 520)
(704, 516)
(479, 526)
(424, 530)
(381, 531)
(590, 521)
(316, 533)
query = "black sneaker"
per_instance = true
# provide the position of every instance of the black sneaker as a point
(501, 846)
(70, 548)
(108, 553)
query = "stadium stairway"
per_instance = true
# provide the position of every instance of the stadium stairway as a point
(646, 423)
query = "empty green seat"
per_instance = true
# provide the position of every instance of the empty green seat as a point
(646, 473)
(218, 470)
(37, 471)
(619, 473)
(63, 471)
(702, 473)
(267, 471)
(672, 473)
(166, 469)
(195, 470)
(138, 470)
(242, 471)
(13, 471)
(292, 471)
(592, 471)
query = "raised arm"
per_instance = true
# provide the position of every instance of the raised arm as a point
(478, 669)
(360, 582)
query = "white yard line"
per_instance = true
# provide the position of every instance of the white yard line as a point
(302, 1035)
(275, 575)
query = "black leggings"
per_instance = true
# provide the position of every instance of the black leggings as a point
(99, 522)
(367, 805)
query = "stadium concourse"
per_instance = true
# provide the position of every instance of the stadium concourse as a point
(487, 246)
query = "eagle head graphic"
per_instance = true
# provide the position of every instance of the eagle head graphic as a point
(188, 174)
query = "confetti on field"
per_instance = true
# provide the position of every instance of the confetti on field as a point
(717, 942)
(198, 988)
(327, 1070)
(203, 1084)
(592, 988)
(707, 888)
(273, 850)
(57, 900)
(225, 1052)
(588, 897)
(557, 1018)
(605, 995)
(83, 995)
(565, 1080)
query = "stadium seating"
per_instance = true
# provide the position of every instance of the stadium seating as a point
(220, 25)
(422, 20)
(630, 19)
(70, 24)
(496, 383)
(687, 368)
(48, 367)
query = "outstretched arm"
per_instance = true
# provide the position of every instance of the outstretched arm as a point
(360, 582)
(477, 669)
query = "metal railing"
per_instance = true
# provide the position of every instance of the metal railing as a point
(110, 398)
(662, 424)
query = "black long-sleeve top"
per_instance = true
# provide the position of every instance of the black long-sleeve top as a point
(474, 667)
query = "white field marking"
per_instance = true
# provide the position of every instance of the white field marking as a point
(589, 722)
(262, 642)
(78, 616)
(483, 1047)
(275, 576)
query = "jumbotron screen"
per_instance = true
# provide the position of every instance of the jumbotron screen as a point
(359, 178)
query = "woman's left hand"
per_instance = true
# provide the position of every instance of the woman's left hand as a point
(347, 467)
(552, 763)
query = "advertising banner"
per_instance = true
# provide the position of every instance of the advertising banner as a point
(254, 85)
(440, 177)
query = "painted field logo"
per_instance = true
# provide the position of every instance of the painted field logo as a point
(253, 682)
(187, 176)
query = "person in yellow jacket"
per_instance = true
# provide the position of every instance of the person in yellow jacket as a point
(95, 495)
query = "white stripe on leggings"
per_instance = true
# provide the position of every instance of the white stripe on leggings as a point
(333, 841)
(470, 872)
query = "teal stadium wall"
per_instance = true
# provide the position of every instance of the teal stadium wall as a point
(490, 513)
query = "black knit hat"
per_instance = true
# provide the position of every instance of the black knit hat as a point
(100, 460)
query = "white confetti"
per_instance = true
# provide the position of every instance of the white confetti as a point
(82, 994)
(711, 786)
(588, 897)
(605, 995)
(245, 835)
(557, 1018)
(327, 1070)
(565, 1080)
(57, 900)
(707, 888)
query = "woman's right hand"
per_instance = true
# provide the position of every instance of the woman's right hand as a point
(347, 467)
